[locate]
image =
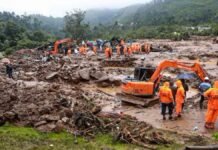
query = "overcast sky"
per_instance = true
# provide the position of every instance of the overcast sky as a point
(58, 8)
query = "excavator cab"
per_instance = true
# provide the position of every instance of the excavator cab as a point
(139, 85)
(143, 73)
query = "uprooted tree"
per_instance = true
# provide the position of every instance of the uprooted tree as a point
(74, 24)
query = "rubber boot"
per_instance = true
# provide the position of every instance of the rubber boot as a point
(207, 125)
(212, 125)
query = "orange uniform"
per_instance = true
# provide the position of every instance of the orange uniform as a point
(118, 50)
(95, 49)
(165, 94)
(82, 50)
(147, 48)
(108, 52)
(122, 42)
(69, 52)
(166, 99)
(180, 96)
(125, 51)
(212, 106)
(133, 47)
(129, 51)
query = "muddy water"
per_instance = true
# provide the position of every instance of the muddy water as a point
(192, 120)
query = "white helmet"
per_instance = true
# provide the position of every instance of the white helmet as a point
(206, 78)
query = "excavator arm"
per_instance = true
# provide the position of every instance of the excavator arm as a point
(194, 67)
(58, 42)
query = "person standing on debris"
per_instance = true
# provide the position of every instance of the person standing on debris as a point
(180, 96)
(94, 48)
(69, 51)
(108, 52)
(204, 86)
(212, 106)
(129, 50)
(82, 50)
(185, 86)
(9, 70)
(166, 99)
(118, 50)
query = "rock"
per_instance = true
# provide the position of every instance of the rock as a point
(29, 73)
(47, 127)
(51, 75)
(40, 123)
(84, 74)
(102, 79)
(10, 115)
(90, 53)
(65, 119)
(50, 117)
(97, 74)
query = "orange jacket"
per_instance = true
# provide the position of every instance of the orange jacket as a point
(212, 95)
(108, 52)
(82, 50)
(118, 49)
(125, 50)
(122, 42)
(180, 94)
(95, 49)
(165, 93)
(69, 51)
(129, 50)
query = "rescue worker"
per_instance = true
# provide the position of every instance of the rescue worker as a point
(82, 50)
(122, 42)
(129, 50)
(212, 106)
(203, 87)
(94, 48)
(133, 47)
(166, 99)
(186, 88)
(69, 51)
(9, 70)
(125, 50)
(108, 52)
(118, 50)
(180, 96)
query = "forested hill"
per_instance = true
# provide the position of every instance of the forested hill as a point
(109, 16)
(157, 19)
(159, 12)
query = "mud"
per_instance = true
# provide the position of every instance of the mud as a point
(78, 94)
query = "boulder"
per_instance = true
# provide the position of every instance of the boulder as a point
(84, 74)
(97, 74)
(51, 75)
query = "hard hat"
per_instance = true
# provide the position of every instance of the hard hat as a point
(206, 78)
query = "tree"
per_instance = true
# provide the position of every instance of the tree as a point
(74, 25)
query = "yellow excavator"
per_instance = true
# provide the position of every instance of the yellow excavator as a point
(140, 90)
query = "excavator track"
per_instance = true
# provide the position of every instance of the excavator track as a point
(139, 101)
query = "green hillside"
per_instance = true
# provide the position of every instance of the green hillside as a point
(159, 12)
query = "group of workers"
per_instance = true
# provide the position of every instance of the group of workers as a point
(168, 99)
(122, 49)
(127, 50)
